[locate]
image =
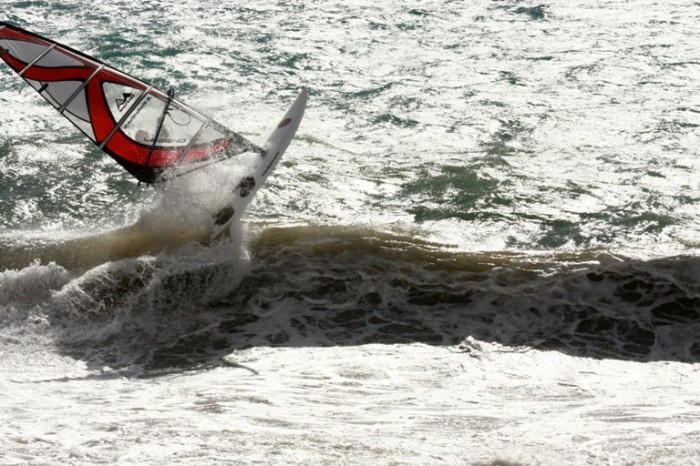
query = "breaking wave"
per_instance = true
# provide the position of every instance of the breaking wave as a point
(322, 286)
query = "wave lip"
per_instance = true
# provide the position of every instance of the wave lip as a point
(300, 286)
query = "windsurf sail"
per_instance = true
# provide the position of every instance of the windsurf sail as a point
(144, 129)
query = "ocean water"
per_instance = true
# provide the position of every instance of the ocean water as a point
(482, 247)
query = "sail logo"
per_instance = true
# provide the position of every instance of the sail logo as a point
(124, 101)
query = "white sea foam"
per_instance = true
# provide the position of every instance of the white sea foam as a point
(410, 404)
(560, 136)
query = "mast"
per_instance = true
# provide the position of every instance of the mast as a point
(161, 120)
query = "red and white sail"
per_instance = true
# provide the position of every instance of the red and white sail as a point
(144, 129)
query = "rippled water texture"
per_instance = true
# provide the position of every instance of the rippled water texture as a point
(481, 248)
(491, 124)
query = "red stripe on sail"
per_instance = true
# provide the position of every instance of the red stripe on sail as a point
(160, 157)
(102, 121)
(14, 63)
(138, 154)
(198, 154)
(58, 74)
(9, 33)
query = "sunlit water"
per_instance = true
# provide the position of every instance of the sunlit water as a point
(481, 248)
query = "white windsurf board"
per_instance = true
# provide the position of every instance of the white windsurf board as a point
(246, 188)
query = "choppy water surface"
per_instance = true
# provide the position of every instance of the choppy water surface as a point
(482, 247)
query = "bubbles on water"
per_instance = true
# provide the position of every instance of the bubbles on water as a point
(125, 309)
(191, 201)
(31, 285)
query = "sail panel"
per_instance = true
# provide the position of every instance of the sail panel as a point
(141, 127)
(58, 93)
(81, 124)
(179, 126)
(120, 98)
(23, 51)
(210, 134)
(78, 104)
(59, 59)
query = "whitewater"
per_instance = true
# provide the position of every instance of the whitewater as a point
(482, 247)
